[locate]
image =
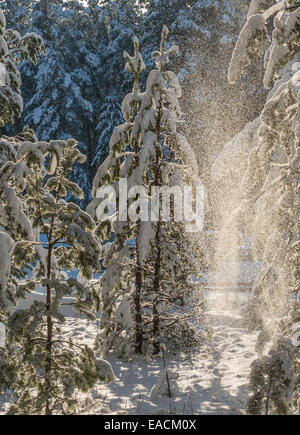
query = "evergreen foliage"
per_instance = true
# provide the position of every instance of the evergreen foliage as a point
(270, 208)
(138, 285)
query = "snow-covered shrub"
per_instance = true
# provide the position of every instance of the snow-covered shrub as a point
(272, 382)
(166, 386)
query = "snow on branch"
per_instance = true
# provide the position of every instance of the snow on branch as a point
(7, 290)
(254, 40)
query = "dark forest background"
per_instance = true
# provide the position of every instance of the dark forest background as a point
(76, 89)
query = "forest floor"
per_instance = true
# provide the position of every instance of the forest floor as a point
(211, 381)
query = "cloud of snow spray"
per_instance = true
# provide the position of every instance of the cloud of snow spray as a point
(226, 246)
(235, 185)
(216, 112)
(229, 245)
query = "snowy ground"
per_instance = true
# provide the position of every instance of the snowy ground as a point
(214, 381)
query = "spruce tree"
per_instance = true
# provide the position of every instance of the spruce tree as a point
(110, 115)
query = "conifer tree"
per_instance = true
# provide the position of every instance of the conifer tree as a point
(133, 275)
(71, 63)
(43, 369)
(40, 368)
(14, 48)
(270, 207)
(115, 282)
(110, 115)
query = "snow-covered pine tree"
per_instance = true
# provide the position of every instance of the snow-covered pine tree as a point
(205, 31)
(14, 48)
(17, 17)
(13, 222)
(270, 207)
(254, 39)
(71, 63)
(163, 260)
(120, 329)
(117, 22)
(180, 17)
(132, 279)
(178, 307)
(32, 202)
(44, 370)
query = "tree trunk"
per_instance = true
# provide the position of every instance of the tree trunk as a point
(44, 4)
(138, 308)
(156, 289)
(48, 367)
(157, 265)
